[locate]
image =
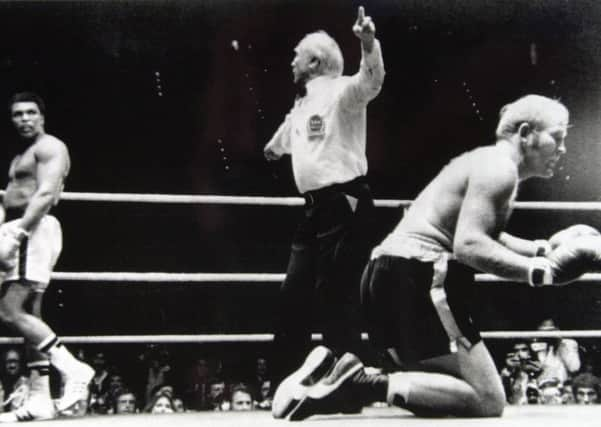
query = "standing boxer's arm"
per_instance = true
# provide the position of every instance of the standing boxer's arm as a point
(367, 83)
(52, 160)
(491, 184)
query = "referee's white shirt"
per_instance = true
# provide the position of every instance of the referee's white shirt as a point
(324, 132)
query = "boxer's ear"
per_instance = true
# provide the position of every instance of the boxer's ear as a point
(525, 130)
(314, 65)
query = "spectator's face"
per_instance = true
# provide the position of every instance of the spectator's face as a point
(126, 404)
(568, 394)
(532, 396)
(162, 406)
(265, 388)
(99, 362)
(178, 405)
(115, 381)
(522, 351)
(551, 396)
(217, 390)
(586, 395)
(241, 401)
(261, 366)
(12, 363)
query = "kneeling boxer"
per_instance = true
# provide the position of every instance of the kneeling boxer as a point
(416, 287)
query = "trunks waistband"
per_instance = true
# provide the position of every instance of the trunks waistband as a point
(411, 246)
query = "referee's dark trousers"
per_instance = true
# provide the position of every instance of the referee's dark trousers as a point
(321, 291)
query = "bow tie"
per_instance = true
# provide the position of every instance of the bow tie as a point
(301, 91)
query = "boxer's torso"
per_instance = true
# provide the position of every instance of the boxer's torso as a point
(22, 182)
(435, 211)
(23, 177)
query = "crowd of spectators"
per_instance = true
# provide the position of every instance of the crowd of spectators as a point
(548, 371)
(154, 387)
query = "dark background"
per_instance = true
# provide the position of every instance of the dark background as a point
(153, 97)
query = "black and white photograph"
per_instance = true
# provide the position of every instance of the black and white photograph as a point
(263, 212)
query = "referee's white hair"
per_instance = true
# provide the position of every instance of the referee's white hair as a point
(325, 48)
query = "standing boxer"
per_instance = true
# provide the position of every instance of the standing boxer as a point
(30, 243)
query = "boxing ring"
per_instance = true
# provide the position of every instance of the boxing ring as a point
(514, 415)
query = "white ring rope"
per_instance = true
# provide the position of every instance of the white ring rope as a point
(168, 277)
(205, 199)
(154, 277)
(151, 277)
(283, 201)
(265, 338)
(183, 199)
(491, 278)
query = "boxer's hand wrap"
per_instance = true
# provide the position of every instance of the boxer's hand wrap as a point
(543, 247)
(540, 272)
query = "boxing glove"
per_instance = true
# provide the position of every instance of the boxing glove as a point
(567, 262)
(570, 233)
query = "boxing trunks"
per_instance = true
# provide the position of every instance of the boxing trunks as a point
(416, 298)
(37, 254)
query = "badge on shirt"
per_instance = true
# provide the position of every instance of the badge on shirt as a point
(316, 127)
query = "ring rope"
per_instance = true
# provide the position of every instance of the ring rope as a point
(263, 277)
(183, 198)
(282, 201)
(265, 338)
(153, 277)
(491, 278)
(206, 199)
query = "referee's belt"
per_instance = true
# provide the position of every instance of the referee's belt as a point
(314, 197)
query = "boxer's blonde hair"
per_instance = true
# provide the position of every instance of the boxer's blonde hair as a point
(536, 110)
(325, 48)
